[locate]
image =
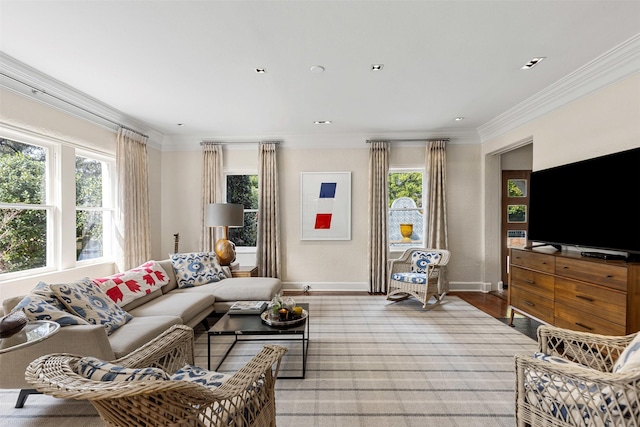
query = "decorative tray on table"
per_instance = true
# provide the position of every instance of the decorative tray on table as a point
(292, 320)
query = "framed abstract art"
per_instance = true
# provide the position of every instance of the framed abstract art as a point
(325, 206)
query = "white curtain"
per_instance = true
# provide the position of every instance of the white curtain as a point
(436, 185)
(378, 227)
(268, 250)
(212, 183)
(132, 216)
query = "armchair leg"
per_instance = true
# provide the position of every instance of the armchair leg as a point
(24, 393)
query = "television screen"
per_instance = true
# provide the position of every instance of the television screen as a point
(591, 204)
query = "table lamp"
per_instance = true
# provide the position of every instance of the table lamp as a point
(225, 215)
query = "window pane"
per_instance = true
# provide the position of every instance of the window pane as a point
(517, 188)
(22, 173)
(243, 189)
(89, 234)
(405, 184)
(88, 182)
(247, 235)
(23, 239)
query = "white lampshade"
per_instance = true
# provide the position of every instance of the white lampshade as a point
(225, 215)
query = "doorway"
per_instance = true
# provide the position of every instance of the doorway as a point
(515, 215)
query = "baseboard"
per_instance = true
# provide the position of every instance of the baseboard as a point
(364, 286)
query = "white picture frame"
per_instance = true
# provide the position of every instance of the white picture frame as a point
(325, 206)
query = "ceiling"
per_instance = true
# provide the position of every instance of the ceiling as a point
(164, 63)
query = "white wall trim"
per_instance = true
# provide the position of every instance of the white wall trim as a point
(617, 64)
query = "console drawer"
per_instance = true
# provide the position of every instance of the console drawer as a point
(532, 281)
(532, 304)
(598, 301)
(600, 273)
(536, 261)
(576, 320)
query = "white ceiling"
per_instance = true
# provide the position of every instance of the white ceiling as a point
(167, 62)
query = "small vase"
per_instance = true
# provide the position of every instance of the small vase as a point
(406, 230)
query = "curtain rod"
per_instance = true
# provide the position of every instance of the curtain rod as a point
(36, 90)
(237, 142)
(407, 140)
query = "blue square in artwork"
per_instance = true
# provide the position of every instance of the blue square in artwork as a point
(328, 190)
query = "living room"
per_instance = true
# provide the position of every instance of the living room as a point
(587, 109)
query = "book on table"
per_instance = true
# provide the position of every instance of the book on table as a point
(248, 307)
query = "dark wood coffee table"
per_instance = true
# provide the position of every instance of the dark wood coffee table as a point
(241, 325)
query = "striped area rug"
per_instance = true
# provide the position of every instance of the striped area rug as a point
(371, 363)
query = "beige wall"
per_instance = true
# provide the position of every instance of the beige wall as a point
(604, 122)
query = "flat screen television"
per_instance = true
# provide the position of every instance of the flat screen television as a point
(589, 204)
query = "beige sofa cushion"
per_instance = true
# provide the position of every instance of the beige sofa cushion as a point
(183, 305)
(139, 331)
(239, 289)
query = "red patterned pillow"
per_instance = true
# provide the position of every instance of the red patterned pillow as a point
(125, 287)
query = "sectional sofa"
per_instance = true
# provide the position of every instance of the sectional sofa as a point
(145, 316)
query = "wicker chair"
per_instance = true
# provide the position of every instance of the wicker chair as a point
(246, 399)
(417, 274)
(583, 393)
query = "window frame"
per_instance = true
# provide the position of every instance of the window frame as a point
(396, 247)
(242, 249)
(58, 228)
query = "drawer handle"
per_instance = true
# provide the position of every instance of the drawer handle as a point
(584, 298)
(609, 276)
(529, 303)
(530, 282)
(584, 326)
(565, 267)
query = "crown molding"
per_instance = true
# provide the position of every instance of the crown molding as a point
(33, 84)
(619, 63)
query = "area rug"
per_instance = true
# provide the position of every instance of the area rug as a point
(371, 362)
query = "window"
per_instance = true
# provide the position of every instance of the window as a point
(37, 199)
(406, 212)
(25, 216)
(243, 189)
(93, 208)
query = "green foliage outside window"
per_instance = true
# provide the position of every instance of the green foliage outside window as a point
(243, 189)
(405, 184)
(23, 232)
(89, 224)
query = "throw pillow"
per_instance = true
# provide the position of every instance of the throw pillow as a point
(629, 359)
(420, 261)
(42, 304)
(88, 301)
(125, 287)
(196, 268)
(200, 376)
(99, 370)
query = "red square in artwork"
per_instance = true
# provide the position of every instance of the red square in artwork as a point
(323, 221)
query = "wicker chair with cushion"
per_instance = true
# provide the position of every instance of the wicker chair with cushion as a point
(157, 385)
(579, 379)
(417, 274)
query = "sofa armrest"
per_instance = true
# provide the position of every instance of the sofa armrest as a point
(85, 340)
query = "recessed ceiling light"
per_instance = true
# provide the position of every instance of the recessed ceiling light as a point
(534, 61)
(322, 122)
(261, 70)
(458, 119)
(377, 67)
(317, 69)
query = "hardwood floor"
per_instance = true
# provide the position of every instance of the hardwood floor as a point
(494, 304)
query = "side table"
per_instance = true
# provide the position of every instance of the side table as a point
(245, 271)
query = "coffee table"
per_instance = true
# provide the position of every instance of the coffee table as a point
(240, 325)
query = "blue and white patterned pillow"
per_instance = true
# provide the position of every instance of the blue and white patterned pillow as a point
(629, 359)
(417, 278)
(42, 304)
(196, 268)
(99, 370)
(83, 298)
(200, 376)
(420, 261)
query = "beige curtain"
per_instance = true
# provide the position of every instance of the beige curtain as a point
(132, 216)
(212, 183)
(436, 185)
(268, 256)
(378, 223)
